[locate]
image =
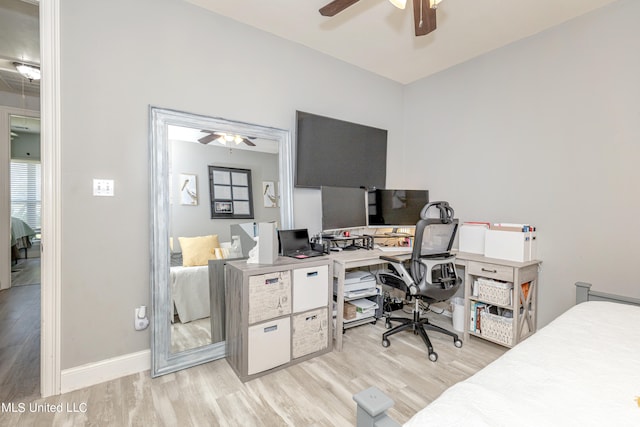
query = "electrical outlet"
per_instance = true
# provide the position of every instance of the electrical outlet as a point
(140, 320)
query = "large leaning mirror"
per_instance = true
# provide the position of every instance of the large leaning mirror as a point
(211, 180)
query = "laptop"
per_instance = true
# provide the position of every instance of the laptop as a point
(296, 244)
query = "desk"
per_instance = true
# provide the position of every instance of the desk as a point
(474, 265)
(343, 261)
(524, 297)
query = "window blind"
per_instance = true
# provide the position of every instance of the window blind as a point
(25, 192)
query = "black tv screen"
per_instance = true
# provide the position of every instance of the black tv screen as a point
(343, 207)
(396, 208)
(331, 152)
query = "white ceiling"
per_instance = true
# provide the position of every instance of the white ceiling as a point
(19, 42)
(371, 34)
(180, 133)
(375, 36)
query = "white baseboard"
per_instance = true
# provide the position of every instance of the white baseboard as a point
(104, 370)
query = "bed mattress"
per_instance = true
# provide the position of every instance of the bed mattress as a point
(583, 369)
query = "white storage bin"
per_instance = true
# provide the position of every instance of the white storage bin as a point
(310, 288)
(472, 238)
(269, 345)
(510, 245)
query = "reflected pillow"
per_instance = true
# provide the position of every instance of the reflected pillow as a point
(198, 250)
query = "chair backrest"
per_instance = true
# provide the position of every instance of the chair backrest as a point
(432, 265)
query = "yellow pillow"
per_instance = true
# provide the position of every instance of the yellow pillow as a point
(198, 250)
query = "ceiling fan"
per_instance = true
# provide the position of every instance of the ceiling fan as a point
(223, 138)
(424, 12)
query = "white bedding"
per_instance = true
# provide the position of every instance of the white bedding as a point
(583, 369)
(190, 292)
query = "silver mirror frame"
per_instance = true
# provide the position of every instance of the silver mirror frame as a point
(162, 360)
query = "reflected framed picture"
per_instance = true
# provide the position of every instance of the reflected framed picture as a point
(231, 193)
(223, 207)
(188, 184)
(269, 194)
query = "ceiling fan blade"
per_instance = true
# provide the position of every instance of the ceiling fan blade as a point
(425, 22)
(336, 7)
(208, 138)
(249, 143)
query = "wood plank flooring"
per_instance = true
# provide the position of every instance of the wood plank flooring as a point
(20, 333)
(26, 272)
(194, 334)
(20, 343)
(317, 392)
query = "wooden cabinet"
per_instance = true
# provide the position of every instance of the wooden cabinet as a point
(277, 315)
(501, 303)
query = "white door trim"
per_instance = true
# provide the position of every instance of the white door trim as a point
(51, 197)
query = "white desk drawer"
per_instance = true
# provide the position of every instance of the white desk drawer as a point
(269, 345)
(492, 271)
(310, 288)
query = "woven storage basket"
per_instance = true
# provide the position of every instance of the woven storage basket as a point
(496, 327)
(494, 292)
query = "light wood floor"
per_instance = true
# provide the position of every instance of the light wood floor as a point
(317, 392)
(194, 334)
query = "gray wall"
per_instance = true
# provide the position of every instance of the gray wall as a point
(187, 157)
(119, 57)
(544, 131)
(16, 100)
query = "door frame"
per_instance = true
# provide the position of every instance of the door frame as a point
(51, 243)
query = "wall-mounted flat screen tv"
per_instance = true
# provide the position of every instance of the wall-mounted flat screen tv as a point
(395, 208)
(331, 152)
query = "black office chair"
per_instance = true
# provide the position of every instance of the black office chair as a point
(429, 276)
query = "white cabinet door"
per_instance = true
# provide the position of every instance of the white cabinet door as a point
(269, 345)
(310, 288)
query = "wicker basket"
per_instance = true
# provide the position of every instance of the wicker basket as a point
(494, 292)
(497, 328)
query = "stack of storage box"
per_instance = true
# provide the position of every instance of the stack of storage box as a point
(513, 242)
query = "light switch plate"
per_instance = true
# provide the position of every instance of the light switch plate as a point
(103, 187)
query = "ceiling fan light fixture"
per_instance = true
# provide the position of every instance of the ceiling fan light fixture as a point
(222, 140)
(434, 3)
(30, 72)
(237, 139)
(400, 4)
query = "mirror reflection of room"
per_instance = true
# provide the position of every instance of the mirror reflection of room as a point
(217, 180)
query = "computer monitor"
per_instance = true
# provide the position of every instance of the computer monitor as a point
(343, 208)
(396, 208)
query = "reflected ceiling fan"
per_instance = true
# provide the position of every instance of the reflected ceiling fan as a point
(223, 138)
(424, 12)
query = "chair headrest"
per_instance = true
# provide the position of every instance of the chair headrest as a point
(445, 211)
